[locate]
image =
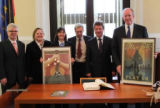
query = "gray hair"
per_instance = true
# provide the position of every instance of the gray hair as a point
(11, 25)
(78, 26)
(129, 9)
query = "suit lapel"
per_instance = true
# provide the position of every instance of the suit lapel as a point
(95, 44)
(134, 31)
(19, 47)
(104, 42)
(45, 43)
(11, 46)
(85, 39)
(56, 43)
(37, 47)
(74, 43)
(124, 31)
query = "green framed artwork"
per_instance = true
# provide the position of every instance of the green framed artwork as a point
(138, 61)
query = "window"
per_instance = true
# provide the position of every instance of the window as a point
(104, 10)
(71, 12)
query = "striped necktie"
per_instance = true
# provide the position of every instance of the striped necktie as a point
(15, 47)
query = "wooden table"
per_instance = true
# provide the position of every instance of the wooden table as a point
(40, 94)
(7, 99)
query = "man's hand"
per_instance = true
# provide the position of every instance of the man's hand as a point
(4, 81)
(41, 60)
(72, 60)
(113, 73)
(119, 69)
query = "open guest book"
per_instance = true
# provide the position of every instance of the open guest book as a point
(97, 85)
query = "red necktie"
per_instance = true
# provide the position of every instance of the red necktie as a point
(79, 51)
(15, 47)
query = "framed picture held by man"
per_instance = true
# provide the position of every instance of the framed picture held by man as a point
(57, 65)
(138, 61)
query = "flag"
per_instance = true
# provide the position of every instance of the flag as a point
(7, 15)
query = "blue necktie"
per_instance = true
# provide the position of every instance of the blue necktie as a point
(129, 32)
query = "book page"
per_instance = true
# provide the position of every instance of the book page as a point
(91, 86)
(102, 83)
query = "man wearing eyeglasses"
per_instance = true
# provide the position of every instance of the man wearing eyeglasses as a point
(12, 60)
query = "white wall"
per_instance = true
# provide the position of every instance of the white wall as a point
(147, 14)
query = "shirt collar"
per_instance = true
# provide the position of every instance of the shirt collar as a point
(12, 41)
(79, 38)
(100, 37)
(39, 44)
(61, 43)
(131, 26)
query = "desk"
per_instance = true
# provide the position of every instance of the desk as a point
(40, 94)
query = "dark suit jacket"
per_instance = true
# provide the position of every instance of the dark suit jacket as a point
(72, 41)
(12, 66)
(99, 64)
(34, 66)
(56, 43)
(119, 34)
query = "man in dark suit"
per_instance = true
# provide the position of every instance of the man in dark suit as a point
(128, 30)
(99, 57)
(12, 59)
(79, 46)
(99, 54)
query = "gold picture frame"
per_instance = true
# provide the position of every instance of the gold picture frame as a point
(138, 61)
(57, 67)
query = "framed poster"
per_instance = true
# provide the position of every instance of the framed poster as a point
(57, 65)
(138, 61)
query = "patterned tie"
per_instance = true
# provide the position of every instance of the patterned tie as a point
(79, 51)
(100, 45)
(15, 47)
(129, 32)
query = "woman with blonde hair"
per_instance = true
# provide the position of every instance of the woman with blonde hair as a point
(34, 56)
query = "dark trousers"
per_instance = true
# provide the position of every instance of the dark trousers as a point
(79, 70)
(42, 106)
(61, 105)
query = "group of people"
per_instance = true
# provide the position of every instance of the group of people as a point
(92, 56)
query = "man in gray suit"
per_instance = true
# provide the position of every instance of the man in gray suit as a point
(128, 30)
(12, 59)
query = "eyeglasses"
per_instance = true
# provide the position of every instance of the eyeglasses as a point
(12, 31)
